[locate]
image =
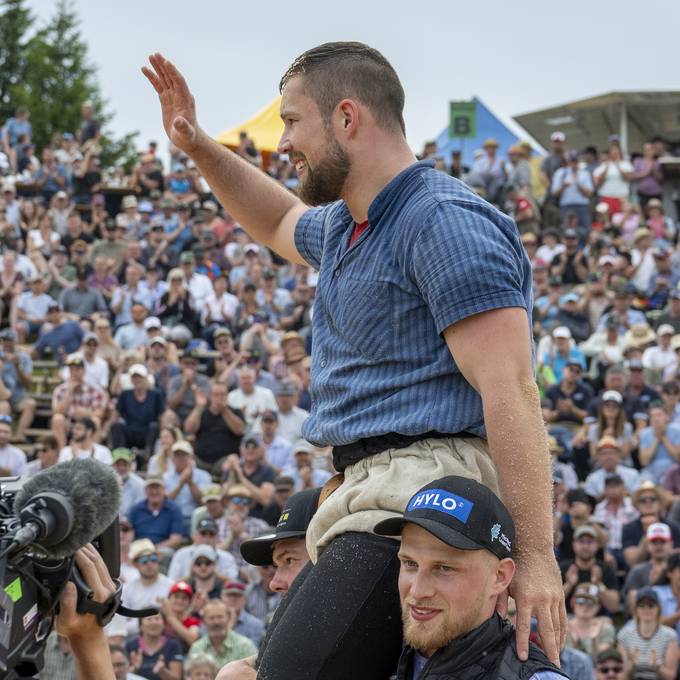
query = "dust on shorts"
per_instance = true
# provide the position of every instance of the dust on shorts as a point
(380, 486)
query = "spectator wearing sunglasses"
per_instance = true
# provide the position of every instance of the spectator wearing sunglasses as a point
(609, 665)
(46, 455)
(204, 579)
(206, 533)
(588, 632)
(150, 584)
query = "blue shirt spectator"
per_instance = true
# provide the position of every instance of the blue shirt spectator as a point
(157, 518)
(655, 442)
(62, 339)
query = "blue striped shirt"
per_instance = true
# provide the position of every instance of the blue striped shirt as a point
(435, 253)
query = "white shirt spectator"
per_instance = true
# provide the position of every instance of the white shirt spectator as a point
(98, 452)
(201, 289)
(262, 399)
(137, 595)
(14, 459)
(594, 484)
(290, 424)
(221, 310)
(34, 306)
(180, 565)
(657, 358)
(614, 185)
(96, 373)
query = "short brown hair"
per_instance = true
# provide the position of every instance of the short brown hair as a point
(49, 441)
(338, 70)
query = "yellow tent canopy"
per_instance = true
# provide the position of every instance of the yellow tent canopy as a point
(264, 128)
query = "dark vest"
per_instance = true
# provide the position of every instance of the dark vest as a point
(486, 653)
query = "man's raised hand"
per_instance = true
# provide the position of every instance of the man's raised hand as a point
(177, 103)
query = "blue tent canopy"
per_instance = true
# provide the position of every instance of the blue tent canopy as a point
(487, 126)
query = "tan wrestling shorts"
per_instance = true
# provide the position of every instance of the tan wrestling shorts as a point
(380, 486)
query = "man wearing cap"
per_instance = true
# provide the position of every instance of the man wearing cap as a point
(608, 460)
(63, 337)
(151, 584)
(278, 451)
(290, 415)
(457, 542)
(199, 285)
(567, 403)
(110, 246)
(75, 398)
(651, 502)
(252, 471)
(572, 186)
(31, 308)
(234, 596)
(81, 301)
(571, 264)
(659, 542)
(203, 578)
(182, 388)
(158, 518)
(206, 533)
(137, 412)
(96, 368)
(563, 351)
(609, 665)
(218, 427)
(16, 368)
(661, 359)
(586, 568)
(668, 591)
(627, 316)
(303, 471)
(184, 481)
(132, 485)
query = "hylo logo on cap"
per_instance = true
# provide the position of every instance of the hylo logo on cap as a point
(442, 501)
(284, 517)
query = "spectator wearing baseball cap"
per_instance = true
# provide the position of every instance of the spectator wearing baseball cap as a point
(459, 523)
(234, 595)
(132, 484)
(181, 623)
(568, 401)
(290, 415)
(586, 568)
(650, 646)
(659, 541)
(184, 481)
(660, 360)
(572, 186)
(278, 451)
(158, 518)
(651, 502)
(139, 411)
(204, 578)
(285, 547)
(563, 351)
(205, 533)
(304, 472)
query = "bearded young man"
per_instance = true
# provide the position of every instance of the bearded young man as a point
(456, 561)
(423, 298)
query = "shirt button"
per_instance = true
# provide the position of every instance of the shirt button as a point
(337, 272)
(323, 363)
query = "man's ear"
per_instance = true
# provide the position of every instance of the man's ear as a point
(505, 570)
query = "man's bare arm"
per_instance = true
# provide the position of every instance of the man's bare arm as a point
(493, 352)
(263, 207)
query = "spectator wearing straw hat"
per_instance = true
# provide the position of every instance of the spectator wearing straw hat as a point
(607, 458)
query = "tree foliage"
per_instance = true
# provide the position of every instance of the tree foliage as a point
(49, 72)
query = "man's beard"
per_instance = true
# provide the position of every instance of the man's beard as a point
(429, 636)
(324, 184)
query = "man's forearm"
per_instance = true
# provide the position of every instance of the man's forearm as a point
(519, 449)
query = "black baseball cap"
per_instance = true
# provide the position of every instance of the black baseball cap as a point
(460, 512)
(293, 523)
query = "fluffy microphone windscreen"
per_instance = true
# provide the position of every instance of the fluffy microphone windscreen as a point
(93, 490)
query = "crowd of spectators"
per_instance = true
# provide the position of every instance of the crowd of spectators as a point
(179, 353)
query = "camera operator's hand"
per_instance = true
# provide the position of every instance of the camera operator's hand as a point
(88, 641)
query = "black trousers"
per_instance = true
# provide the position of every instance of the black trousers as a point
(121, 435)
(341, 618)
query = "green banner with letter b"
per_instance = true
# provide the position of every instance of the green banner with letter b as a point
(463, 119)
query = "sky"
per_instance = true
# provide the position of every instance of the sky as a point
(516, 56)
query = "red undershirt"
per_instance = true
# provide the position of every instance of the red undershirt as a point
(359, 229)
